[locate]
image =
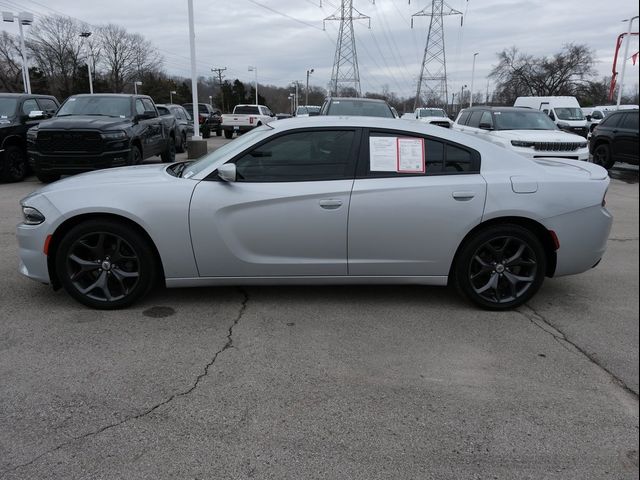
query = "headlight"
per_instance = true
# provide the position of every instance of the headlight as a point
(32, 216)
(520, 143)
(119, 135)
(583, 145)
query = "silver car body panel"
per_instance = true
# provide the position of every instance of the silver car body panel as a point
(384, 230)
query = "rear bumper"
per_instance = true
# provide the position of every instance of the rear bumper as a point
(583, 238)
(77, 163)
(238, 128)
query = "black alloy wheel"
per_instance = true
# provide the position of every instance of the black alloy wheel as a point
(14, 164)
(501, 268)
(602, 156)
(105, 265)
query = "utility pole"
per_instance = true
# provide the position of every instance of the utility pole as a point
(306, 98)
(345, 63)
(218, 72)
(433, 73)
(85, 36)
(473, 72)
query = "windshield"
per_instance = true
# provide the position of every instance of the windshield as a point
(431, 112)
(360, 108)
(8, 107)
(569, 114)
(228, 150)
(523, 120)
(96, 105)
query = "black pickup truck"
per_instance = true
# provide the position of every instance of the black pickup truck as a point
(18, 113)
(90, 132)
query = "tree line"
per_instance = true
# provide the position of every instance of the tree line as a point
(59, 58)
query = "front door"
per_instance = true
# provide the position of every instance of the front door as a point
(286, 215)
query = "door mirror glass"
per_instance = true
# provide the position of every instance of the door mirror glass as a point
(227, 172)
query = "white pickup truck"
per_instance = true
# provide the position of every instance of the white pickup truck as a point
(245, 118)
(432, 116)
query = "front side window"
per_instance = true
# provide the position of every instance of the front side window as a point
(29, 106)
(47, 105)
(464, 116)
(486, 119)
(139, 107)
(610, 121)
(300, 156)
(597, 115)
(474, 120)
(148, 105)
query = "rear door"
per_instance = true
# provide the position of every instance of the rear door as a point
(408, 214)
(286, 215)
(625, 141)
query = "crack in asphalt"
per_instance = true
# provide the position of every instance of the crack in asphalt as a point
(537, 319)
(228, 344)
(623, 239)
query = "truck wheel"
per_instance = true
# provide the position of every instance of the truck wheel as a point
(602, 156)
(14, 165)
(206, 133)
(218, 132)
(47, 177)
(135, 157)
(169, 155)
(228, 134)
(183, 143)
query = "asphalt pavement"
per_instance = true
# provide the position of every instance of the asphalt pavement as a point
(385, 382)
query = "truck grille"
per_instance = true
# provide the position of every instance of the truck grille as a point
(557, 146)
(65, 141)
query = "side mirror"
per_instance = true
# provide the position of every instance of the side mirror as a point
(588, 117)
(36, 115)
(485, 126)
(227, 172)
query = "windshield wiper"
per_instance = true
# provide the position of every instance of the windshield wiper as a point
(181, 167)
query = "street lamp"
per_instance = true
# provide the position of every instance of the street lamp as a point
(295, 82)
(473, 71)
(624, 60)
(461, 98)
(85, 35)
(254, 69)
(135, 87)
(24, 18)
(171, 94)
(306, 98)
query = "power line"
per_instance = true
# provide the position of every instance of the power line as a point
(266, 7)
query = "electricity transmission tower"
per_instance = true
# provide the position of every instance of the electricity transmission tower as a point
(345, 64)
(432, 84)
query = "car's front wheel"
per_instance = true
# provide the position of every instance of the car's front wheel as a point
(104, 264)
(13, 168)
(169, 155)
(500, 267)
(602, 156)
(228, 134)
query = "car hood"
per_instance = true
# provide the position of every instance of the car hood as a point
(84, 122)
(123, 176)
(538, 135)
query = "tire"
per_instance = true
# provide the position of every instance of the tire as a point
(602, 156)
(169, 155)
(500, 267)
(47, 177)
(206, 133)
(183, 143)
(14, 165)
(228, 134)
(135, 156)
(105, 265)
(218, 132)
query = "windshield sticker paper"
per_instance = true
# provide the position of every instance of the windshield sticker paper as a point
(383, 154)
(410, 155)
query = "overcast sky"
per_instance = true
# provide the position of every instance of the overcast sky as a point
(284, 38)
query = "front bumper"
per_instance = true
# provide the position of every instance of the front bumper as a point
(70, 163)
(33, 261)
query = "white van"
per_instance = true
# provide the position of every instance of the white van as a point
(564, 111)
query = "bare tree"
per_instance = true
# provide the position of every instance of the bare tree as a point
(56, 49)
(564, 73)
(11, 61)
(126, 56)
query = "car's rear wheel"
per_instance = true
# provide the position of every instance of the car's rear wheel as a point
(602, 156)
(218, 132)
(135, 156)
(104, 264)
(500, 267)
(14, 164)
(206, 131)
(169, 155)
(183, 143)
(228, 134)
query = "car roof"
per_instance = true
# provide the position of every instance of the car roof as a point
(20, 95)
(117, 95)
(502, 109)
(359, 99)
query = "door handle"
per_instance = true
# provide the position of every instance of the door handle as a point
(330, 203)
(463, 196)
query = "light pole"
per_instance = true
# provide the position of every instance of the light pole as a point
(624, 61)
(306, 96)
(295, 82)
(136, 84)
(473, 72)
(461, 98)
(171, 94)
(24, 18)
(290, 97)
(85, 35)
(254, 69)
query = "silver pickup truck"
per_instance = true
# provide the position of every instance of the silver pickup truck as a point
(245, 118)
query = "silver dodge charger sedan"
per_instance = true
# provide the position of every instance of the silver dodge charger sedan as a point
(322, 200)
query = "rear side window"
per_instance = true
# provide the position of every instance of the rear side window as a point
(611, 120)
(474, 119)
(630, 121)
(439, 157)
